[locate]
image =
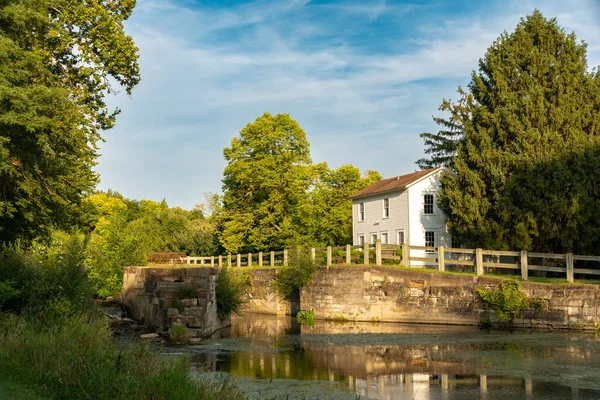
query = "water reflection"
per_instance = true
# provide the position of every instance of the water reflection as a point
(395, 361)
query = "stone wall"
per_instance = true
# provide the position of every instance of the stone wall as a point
(163, 296)
(366, 293)
(261, 297)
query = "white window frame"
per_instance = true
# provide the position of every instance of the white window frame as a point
(385, 212)
(398, 234)
(432, 244)
(387, 237)
(361, 240)
(425, 204)
(361, 212)
(374, 237)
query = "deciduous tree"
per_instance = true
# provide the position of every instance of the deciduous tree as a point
(57, 59)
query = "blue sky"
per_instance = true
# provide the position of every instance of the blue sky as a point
(362, 78)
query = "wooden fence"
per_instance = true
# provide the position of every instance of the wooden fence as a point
(478, 261)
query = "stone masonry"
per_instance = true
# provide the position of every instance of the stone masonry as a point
(163, 296)
(370, 293)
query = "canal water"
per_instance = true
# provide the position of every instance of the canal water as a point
(274, 357)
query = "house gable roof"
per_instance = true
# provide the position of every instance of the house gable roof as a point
(392, 184)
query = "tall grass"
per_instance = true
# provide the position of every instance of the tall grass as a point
(77, 359)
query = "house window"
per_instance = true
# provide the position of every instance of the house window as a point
(386, 208)
(361, 239)
(400, 237)
(361, 211)
(428, 200)
(373, 237)
(384, 237)
(430, 240)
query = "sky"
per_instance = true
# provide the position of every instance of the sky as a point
(362, 78)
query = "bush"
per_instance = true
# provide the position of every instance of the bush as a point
(306, 317)
(229, 292)
(47, 278)
(77, 359)
(506, 299)
(179, 333)
(290, 279)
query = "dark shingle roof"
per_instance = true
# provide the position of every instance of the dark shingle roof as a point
(390, 184)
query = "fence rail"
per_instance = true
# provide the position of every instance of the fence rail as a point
(479, 261)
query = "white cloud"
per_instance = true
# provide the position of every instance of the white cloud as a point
(208, 72)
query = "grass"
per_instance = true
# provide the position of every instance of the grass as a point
(75, 358)
(179, 333)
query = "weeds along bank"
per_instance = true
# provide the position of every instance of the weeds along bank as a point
(55, 342)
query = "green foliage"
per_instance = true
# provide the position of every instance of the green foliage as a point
(78, 359)
(441, 147)
(275, 198)
(325, 217)
(527, 175)
(290, 279)
(267, 174)
(229, 290)
(306, 317)
(57, 60)
(506, 299)
(124, 231)
(48, 278)
(179, 333)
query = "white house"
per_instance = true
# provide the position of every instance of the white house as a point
(400, 210)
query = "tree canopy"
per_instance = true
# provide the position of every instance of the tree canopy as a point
(527, 174)
(57, 59)
(275, 197)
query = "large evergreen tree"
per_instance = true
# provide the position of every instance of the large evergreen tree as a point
(57, 59)
(528, 173)
(441, 147)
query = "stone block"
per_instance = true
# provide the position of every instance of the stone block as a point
(189, 302)
(194, 311)
(417, 283)
(574, 311)
(172, 312)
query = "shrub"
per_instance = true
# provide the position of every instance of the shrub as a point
(306, 317)
(506, 299)
(290, 279)
(47, 278)
(179, 333)
(229, 292)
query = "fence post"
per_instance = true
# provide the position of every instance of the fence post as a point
(212, 261)
(312, 254)
(272, 261)
(348, 254)
(378, 253)
(249, 263)
(220, 261)
(524, 271)
(479, 261)
(229, 260)
(328, 256)
(239, 260)
(260, 260)
(570, 273)
(441, 259)
(285, 258)
(366, 254)
(405, 255)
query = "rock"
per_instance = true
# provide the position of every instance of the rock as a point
(149, 336)
(195, 340)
